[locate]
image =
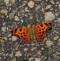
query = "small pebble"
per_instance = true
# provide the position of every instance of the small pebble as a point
(11, 15)
(39, 52)
(25, 49)
(14, 38)
(26, 9)
(48, 6)
(31, 4)
(4, 11)
(52, 1)
(58, 19)
(30, 59)
(11, 55)
(5, 38)
(59, 41)
(9, 35)
(33, 48)
(37, 59)
(42, 48)
(55, 38)
(6, 1)
(18, 54)
(4, 23)
(16, 18)
(2, 41)
(14, 59)
(49, 43)
(13, 1)
(22, 21)
(49, 16)
(3, 29)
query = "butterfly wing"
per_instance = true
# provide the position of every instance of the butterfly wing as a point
(40, 31)
(23, 34)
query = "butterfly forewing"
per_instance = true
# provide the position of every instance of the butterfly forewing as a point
(23, 34)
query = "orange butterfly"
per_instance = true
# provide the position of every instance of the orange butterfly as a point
(39, 32)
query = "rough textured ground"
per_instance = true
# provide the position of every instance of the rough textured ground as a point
(18, 13)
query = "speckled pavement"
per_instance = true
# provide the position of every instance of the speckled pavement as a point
(18, 13)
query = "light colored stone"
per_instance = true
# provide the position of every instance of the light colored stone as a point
(30, 17)
(59, 42)
(25, 49)
(5, 38)
(12, 1)
(48, 6)
(14, 38)
(39, 52)
(37, 59)
(2, 41)
(22, 21)
(10, 38)
(56, 32)
(0, 58)
(16, 18)
(4, 11)
(52, 1)
(30, 59)
(31, 4)
(18, 54)
(49, 43)
(26, 9)
(11, 15)
(4, 23)
(42, 48)
(14, 59)
(38, 7)
(9, 35)
(6, 1)
(56, 37)
(34, 48)
(57, 2)
(58, 19)
(3, 29)
(49, 16)
(11, 55)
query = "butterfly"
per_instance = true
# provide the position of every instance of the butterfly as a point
(39, 31)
